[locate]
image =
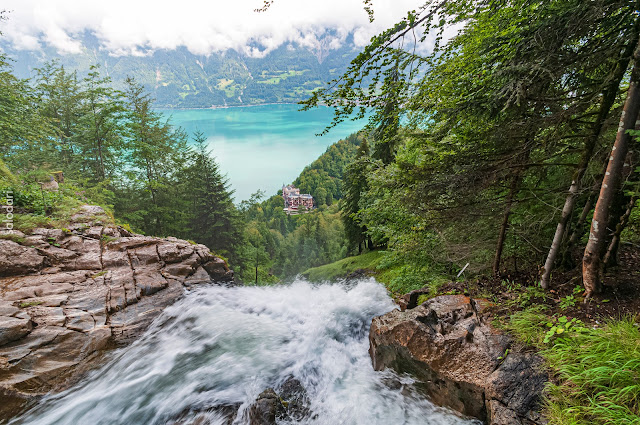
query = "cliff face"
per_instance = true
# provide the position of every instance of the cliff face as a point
(461, 360)
(66, 295)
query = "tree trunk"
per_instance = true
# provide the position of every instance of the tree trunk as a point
(610, 184)
(579, 230)
(608, 98)
(513, 190)
(623, 212)
(610, 256)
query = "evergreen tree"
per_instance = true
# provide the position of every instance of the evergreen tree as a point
(355, 182)
(101, 134)
(213, 217)
(156, 153)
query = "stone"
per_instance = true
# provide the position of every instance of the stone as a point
(47, 316)
(79, 320)
(12, 328)
(218, 270)
(200, 276)
(16, 259)
(296, 400)
(460, 360)
(290, 404)
(60, 306)
(264, 410)
(410, 300)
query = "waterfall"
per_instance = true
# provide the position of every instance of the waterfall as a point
(222, 346)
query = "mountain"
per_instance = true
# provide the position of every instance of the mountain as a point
(180, 79)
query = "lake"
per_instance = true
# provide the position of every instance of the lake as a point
(262, 147)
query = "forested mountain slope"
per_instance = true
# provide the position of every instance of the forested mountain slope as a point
(180, 79)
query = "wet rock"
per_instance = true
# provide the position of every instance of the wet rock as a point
(295, 400)
(460, 360)
(265, 408)
(290, 403)
(78, 292)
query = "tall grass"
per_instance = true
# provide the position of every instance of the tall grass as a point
(596, 371)
(599, 376)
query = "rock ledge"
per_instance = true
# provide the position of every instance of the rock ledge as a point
(67, 294)
(461, 360)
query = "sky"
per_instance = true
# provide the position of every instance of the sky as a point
(136, 27)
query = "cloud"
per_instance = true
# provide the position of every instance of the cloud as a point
(129, 27)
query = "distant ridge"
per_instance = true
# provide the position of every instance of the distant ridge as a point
(180, 79)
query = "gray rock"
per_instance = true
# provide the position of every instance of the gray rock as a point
(16, 259)
(265, 408)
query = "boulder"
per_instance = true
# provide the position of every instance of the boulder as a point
(461, 361)
(290, 404)
(265, 408)
(295, 400)
(76, 293)
(13, 328)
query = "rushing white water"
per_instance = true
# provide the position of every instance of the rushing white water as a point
(223, 346)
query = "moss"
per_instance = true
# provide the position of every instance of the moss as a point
(106, 239)
(30, 304)
(12, 237)
(423, 298)
(27, 222)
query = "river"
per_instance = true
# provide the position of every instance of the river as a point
(224, 345)
(265, 146)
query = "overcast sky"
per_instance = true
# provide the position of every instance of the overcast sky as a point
(123, 26)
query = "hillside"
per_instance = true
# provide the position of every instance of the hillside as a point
(180, 79)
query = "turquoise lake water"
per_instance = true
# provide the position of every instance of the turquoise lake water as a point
(262, 147)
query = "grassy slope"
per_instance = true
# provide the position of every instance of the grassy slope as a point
(344, 267)
(398, 277)
(597, 370)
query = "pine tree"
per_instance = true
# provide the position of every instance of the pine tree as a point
(214, 220)
(355, 183)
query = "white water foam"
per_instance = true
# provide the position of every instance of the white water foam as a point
(224, 345)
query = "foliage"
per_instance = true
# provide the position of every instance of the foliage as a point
(598, 373)
(563, 328)
(567, 302)
(278, 246)
(323, 178)
(596, 369)
(114, 150)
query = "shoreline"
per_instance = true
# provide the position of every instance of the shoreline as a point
(224, 107)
